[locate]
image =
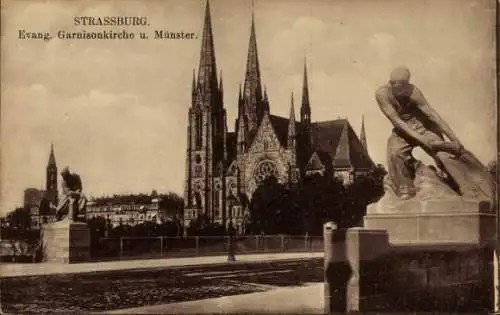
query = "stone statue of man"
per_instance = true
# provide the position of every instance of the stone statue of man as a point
(417, 124)
(72, 201)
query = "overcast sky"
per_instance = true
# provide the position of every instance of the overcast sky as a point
(117, 110)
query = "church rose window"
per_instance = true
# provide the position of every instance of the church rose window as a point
(265, 170)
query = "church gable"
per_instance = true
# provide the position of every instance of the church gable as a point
(342, 153)
(266, 138)
(315, 163)
(338, 140)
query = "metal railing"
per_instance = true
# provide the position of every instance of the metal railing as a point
(161, 246)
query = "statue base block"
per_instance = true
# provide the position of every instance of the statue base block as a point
(66, 242)
(434, 222)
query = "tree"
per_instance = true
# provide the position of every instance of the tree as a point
(367, 188)
(198, 224)
(268, 207)
(20, 218)
(320, 199)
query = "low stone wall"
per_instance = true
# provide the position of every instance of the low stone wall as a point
(364, 272)
(453, 279)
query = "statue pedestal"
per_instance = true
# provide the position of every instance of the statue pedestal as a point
(66, 242)
(452, 221)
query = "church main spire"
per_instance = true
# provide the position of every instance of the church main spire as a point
(252, 90)
(207, 73)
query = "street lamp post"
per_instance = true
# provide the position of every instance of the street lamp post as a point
(230, 255)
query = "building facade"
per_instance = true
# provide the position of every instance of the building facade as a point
(223, 169)
(130, 211)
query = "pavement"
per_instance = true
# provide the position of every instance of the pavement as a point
(306, 299)
(22, 270)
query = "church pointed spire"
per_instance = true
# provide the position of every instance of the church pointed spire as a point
(292, 108)
(221, 87)
(305, 109)
(51, 177)
(52, 158)
(252, 89)
(362, 136)
(291, 125)
(241, 104)
(207, 73)
(266, 100)
(193, 88)
(193, 83)
(242, 134)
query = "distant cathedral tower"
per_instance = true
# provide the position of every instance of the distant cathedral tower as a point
(51, 179)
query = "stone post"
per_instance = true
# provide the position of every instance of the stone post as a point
(496, 282)
(345, 251)
(362, 245)
(66, 242)
(334, 269)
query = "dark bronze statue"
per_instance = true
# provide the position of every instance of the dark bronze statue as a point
(72, 202)
(417, 124)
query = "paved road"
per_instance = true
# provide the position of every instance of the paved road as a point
(111, 290)
(19, 269)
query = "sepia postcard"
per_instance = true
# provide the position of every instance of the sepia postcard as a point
(249, 157)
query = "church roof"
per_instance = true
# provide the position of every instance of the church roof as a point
(337, 139)
(334, 142)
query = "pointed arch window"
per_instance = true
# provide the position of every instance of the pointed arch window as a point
(217, 202)
(198, 130)
(197, 200)
(198, 171)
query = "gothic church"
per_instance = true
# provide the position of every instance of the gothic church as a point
(224, 168)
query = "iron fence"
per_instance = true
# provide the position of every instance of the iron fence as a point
(164, 246)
